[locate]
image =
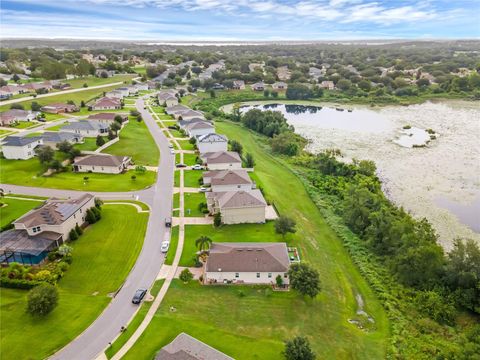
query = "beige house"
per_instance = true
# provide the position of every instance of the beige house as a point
(222, 160)
(238, 207)
(168, 98)
(59, 108)
(247, 263)
(228, 180)
(238, 85)
(107, 118)
(106, 164)
(107, 103)
(329, 85)
(259, 86)
(279, 85)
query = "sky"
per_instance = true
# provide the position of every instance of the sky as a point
(240, 20)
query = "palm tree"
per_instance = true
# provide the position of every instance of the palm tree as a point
(203, 243)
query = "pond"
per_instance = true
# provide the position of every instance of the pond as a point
(468, 214)
(354, 120)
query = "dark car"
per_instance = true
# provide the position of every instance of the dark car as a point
(139, 295)
(180, 165)
(168, 222)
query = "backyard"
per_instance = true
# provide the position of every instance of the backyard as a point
(12, 209)
(102, 258)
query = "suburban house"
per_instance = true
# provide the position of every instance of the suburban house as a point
(142, 86)
(283, 73)
(20, 148)
(238, 207)
(185, 347)
(127, 90)
(184, 123)
(43, 229)
(34, 87)
(176, 109)
(198, 128)
(222, 160)
(5, 95)
(107, 103)
(104, 73)
(259, 86)
(101, 163)
(238, 85)
(52, 138)
(247, 263)
(115, 94)
(329, 85)
(87, 128)
(13, 89)
(280, 85)
(189, 114)
(168, 98)
(228, 180)
(14, 115)
(59, 108)
(107, 118)
(211, 143)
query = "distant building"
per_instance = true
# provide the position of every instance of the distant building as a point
(259, 86)
(329, 85)
(59, 108)
(101, 163)
(104, 73)
(238, 85)
(280, 85)
(20, 148)
(107, 103)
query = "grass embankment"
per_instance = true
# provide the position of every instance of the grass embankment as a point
(14, 208)
(29, 173)
(102, 258)
(255, 325)
(137, 142)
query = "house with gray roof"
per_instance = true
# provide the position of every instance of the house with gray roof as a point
(101, 163)
(238, 207)
(52, 138)
(87, 128)
(43, 229)
(14, 115)
(222, 160)
(198, 128)
(186, 347)
(247, 263)
(228, 180)
(20, 148)
(212, 142)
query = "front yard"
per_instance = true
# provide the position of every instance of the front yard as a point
(186, 145)
(102, 258)
(191, 178)
(192, 200)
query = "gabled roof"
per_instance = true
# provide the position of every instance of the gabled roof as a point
(176, 109)
(248, 257)
(212, 138)
(231, 177)
(15, 114)
(199, 125)
(59, 106)
(108, 101)
(53, 211)
(190, 121)
(85, 125)
(105, 116)
(221, 157)
(101, 160)
(190, 112)
(20, 140)
(57, 137)
(238, 199)
(185, 347)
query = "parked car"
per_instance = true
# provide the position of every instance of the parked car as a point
(170, 146)
(172, 151)
(139, 295)
(204, 189)
(197, 167)
(180, 165)
(165, 246)
(168, 222)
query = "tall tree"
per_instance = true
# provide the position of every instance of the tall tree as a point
(304, 279)
(298, 349)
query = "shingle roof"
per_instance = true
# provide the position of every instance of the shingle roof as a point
(57, 137)
(231, 177)
(248, 257)
(190, 121)
(15, 114)
(53, 211)
(221, 157)
(239, 199)
(176, 109)
(186, 347)
(101, 160)
(107, 101)
(85, 125)
(199, 125)
(19, 140)
(106, 116)
(212, 138)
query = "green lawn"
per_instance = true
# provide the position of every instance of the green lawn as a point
(95, 81)
(177, 134)
(176, 201)
(14, 208)
(135, 323)
(173, 246)
(28, 173)
(254, 326)
(176, 178)
(186, 145)
(190, 159)
(192, 200)
(25, 125)
(89, 144)
(229, 233)
(142, 205)
(137, 142)
(102, 258)
(190, 178)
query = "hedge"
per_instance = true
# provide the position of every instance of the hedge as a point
(18, 283)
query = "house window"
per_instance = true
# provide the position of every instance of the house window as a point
(285, 275)
(269, 275)
(38, 228)
(237, 275)
(34, 230)
(258, 275)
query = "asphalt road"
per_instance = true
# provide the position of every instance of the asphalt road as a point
(107, 326)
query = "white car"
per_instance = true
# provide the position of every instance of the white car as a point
(165, 246)
(204, 189)
(170, 146)
(197, 167)
(172, 151)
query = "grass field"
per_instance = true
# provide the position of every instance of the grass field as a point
(89, 144)
(254, 326)
(192, 200)
(191, 177)
(190, 159)
(102, 258)
(137, 142)
(173, 246)
(14, 208)
(28, 173)
(176, 178)
(96, 81)
(177, 134)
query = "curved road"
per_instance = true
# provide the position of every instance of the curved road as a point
(118, 313)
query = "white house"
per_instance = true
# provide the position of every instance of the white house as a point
(101, 163)
(87, 128)
(238, 207)
(107, 103)
(247, 263)
(222, 160)
(228, 180)
(20, 148)
(198, 128)
(211, 143)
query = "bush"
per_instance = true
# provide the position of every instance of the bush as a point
(18, 283)
(42, 300)
(186, 276)
(217, 219)
(73, 235)
(78, 229)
